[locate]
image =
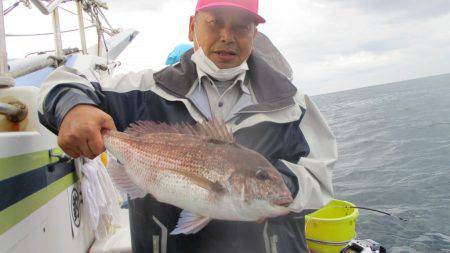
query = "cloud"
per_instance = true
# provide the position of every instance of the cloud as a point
(335, 45)
(331, 44)
(404, 8)
(143, 5)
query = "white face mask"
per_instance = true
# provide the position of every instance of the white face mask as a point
(210, 68)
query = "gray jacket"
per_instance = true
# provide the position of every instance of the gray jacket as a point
(284, 125)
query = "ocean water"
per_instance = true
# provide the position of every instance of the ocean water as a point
(394, 155)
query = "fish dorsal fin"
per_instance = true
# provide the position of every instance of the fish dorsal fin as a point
(149, 127)
(213, 129)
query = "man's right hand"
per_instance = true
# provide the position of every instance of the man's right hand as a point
(80, 131)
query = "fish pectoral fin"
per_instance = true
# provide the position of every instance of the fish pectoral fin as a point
(190, 223)
(123, 183)
(202, 182)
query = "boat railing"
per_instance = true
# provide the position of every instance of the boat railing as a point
(15, 111)
(3, 57)
(7, 78)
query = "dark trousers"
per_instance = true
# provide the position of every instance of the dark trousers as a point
(151, 223)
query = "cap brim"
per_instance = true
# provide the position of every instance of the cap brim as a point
(256, 17)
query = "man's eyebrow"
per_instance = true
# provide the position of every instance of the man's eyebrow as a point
(245, 21)
(210, 16)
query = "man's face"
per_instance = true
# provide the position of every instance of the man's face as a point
(225, 35)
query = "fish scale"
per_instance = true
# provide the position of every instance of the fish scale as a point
(144, 157)
(189, 155)
(200, 169)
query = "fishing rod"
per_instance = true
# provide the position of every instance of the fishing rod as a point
(375, 210)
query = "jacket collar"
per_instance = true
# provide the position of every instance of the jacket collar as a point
(273, 91)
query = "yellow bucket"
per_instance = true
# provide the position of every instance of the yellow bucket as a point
(329, 229)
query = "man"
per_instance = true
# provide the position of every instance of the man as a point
(222, 77)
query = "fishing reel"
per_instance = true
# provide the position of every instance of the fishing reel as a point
(363, 246)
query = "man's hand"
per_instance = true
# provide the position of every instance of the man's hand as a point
(80, 131)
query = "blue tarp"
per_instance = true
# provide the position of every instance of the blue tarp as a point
(177, 52)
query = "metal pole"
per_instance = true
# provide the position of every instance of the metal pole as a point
(42, 8)
(15, 111)
(3, 55)
(46, 9)
(33, 68)
(99, 41)
(8, 109)
(54, 5)
(57, 33)
(81, 24)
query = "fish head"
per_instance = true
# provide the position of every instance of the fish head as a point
(258, 185)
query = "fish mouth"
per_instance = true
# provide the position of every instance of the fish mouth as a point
(283, 201)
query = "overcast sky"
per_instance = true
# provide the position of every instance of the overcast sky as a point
(331, 44)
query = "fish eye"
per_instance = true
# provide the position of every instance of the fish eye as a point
(262, 174)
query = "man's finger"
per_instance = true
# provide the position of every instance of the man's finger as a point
(72, 153)
(96, 144)
(86, 151)
(108, 123)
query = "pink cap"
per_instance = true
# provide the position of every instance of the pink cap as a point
(251, 6)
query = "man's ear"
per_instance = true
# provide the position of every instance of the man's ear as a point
(191, 28)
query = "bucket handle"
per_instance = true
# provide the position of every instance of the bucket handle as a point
(329, 242)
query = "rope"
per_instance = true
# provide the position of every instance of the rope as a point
(26, 3)
(96, 10)
(66, 51)
(9, 9)
(44, 34)
(73, 13)
(104, 18)
(39, 52)
(93, 12)
(111, 30)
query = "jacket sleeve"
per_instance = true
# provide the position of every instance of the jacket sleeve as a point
(66, 88)
(312, 172)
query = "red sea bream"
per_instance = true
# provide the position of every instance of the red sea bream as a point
(200, 169)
